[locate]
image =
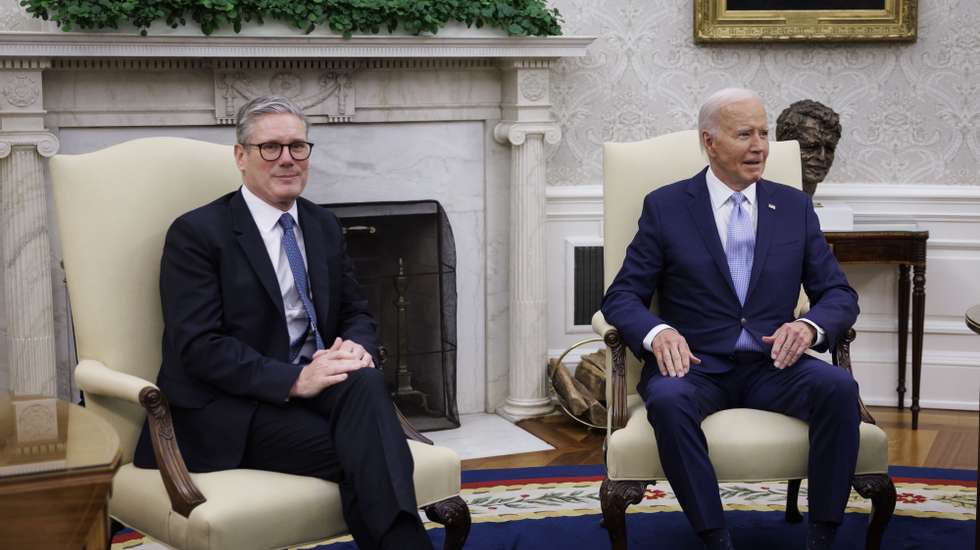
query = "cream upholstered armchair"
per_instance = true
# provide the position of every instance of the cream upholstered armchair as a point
(745, 444)
(113, 209)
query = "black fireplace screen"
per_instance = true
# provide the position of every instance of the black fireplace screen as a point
(405, 259)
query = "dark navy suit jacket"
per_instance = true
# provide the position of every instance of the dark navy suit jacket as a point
(225, 342)
(677, 256)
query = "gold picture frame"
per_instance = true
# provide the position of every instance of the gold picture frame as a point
(756, 21)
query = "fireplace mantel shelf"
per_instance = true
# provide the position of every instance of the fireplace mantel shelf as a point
(112, 45)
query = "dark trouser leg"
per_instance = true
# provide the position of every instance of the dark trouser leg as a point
(826, 397)
(373, 453)
(675, 409)
(349, 434)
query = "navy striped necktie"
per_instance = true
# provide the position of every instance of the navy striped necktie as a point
(740, 250)
(298, 269)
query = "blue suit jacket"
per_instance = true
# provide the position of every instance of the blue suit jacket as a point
(225, 342)
(677, 255)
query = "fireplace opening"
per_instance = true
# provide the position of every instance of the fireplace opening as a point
(404, 256)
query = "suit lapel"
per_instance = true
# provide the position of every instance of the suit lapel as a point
(315, 241)
(763, 232)
(251, 242)
(699, 205)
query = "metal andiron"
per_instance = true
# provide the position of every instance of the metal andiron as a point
(408, 399)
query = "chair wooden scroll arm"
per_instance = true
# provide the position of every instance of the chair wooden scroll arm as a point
(95, 378)
(610, 335)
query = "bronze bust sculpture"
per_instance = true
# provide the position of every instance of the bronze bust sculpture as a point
(817, 128)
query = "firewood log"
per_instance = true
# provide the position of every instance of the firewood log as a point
(597, 414)
(572, 393)
(592, 377)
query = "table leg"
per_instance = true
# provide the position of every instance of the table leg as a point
(918, 327)
(903, 329)
(98, 535)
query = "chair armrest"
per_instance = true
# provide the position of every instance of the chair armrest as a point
(95, 378)
(616, 374)
(600, 326)
(842, 358)
(184, 495)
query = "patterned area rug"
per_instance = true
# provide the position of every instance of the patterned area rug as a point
(558, 507)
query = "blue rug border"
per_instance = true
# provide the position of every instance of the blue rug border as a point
(504, 474)
(932, 473)
(498, 474)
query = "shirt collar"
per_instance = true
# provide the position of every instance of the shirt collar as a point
(719, 192)
(265, 215)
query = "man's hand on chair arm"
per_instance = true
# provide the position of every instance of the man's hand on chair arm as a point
(673, 355)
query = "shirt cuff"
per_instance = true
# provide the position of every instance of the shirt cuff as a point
(820, 334)
(648, 339)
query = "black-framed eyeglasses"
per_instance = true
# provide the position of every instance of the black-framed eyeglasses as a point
(270, 150)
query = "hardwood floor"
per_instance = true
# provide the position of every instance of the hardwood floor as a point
(945, 439)
(574, 444)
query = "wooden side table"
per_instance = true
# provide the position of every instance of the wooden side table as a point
(904, 247)
(56, 466)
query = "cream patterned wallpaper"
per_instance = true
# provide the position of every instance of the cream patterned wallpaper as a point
(14, 18)
(910, 112)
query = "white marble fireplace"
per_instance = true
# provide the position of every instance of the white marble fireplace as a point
(461, 120)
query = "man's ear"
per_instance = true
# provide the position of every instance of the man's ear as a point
(707, 142)
(239, 153)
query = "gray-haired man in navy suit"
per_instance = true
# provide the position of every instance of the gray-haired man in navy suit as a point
(726, 252)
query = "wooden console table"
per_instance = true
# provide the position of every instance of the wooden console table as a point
(904, 247)
(56, 466)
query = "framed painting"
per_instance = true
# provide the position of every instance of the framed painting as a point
(805, 20)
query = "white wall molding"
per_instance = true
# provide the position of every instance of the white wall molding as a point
(876, 193)
(949, 380)
(887, 192)
(934, 324)
(578, 202)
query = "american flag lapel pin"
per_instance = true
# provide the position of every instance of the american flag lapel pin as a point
(772, 206)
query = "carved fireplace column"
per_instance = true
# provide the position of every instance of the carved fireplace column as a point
(526, 125)
(24, 228)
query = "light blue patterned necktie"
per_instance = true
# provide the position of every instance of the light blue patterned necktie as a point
(298, 268)
(740, 249)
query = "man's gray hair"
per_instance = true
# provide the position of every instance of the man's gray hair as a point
(709, 118)
(260, 106)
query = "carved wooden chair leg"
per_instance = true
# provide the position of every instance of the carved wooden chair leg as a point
(615, 497)
(793, 514)
(880, 489)
(455, 515)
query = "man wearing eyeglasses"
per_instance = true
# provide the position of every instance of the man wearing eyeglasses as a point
(268, 348)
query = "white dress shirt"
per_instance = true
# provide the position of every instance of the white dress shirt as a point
(721, 205)
(266, 219)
